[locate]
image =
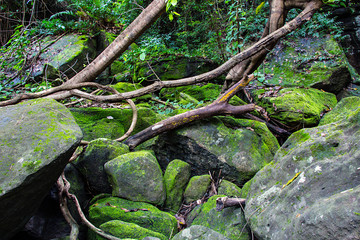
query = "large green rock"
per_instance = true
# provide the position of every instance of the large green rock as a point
(143, 214)
(137, 176)
(37, 138)
(307, 62)
(64, 57)
(296, 107)
(176, 177)
(196, 188)
(198, 232)
(230, 221)
(239, 148)
(91, 163)
(111, 123)
(122, 229)
(311, 189)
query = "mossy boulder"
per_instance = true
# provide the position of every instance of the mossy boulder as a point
(96, 122)
(198, 232)
(229, 189)
(305, 62)
(311, 189)
(345, 108)
(137, 176)
(37, 138)
(176, 177)
(207, 92)
(123, 87)
(173, 67)
(230, 221)
(91, 163)
(142, 214)
(196, 188)
(122, 230)
(237, 147)
(295, 107)
(64, 57)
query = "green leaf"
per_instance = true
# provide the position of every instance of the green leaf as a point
(259, 7)
(142, 56)
(171, 16)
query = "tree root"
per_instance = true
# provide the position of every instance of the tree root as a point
(64, 187)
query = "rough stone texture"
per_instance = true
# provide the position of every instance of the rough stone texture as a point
(196, 188)
(137, 176)
(37, 138)
(229, 189)
(296, 107)
(113, 208)
(96, 122)
(197, 232)
(65, 57)
(239, 149)
(91, 163)
(176, 177)
(230, 221)
(311, 190)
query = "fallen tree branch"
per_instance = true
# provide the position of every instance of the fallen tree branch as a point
(261, 45)
(224, 202)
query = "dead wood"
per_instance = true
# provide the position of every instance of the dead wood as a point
(224, 202)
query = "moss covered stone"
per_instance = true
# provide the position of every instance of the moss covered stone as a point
(37, 138)
(91, 163)
(148, 216)
(110, 123)
(204, 93)
(176, 177)
(342, 111)
(122, 230)
(196, 188)
(128, 87)
(296, 107)
(238, 147)
(306, 62)
(229, 189)
(230, 221)
(137, 176)
(70, 50)
(245, 189)
(313, 174)
(172, 67)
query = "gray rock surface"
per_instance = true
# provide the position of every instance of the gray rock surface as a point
(311, 189)
(197, 232)
(37, 138)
